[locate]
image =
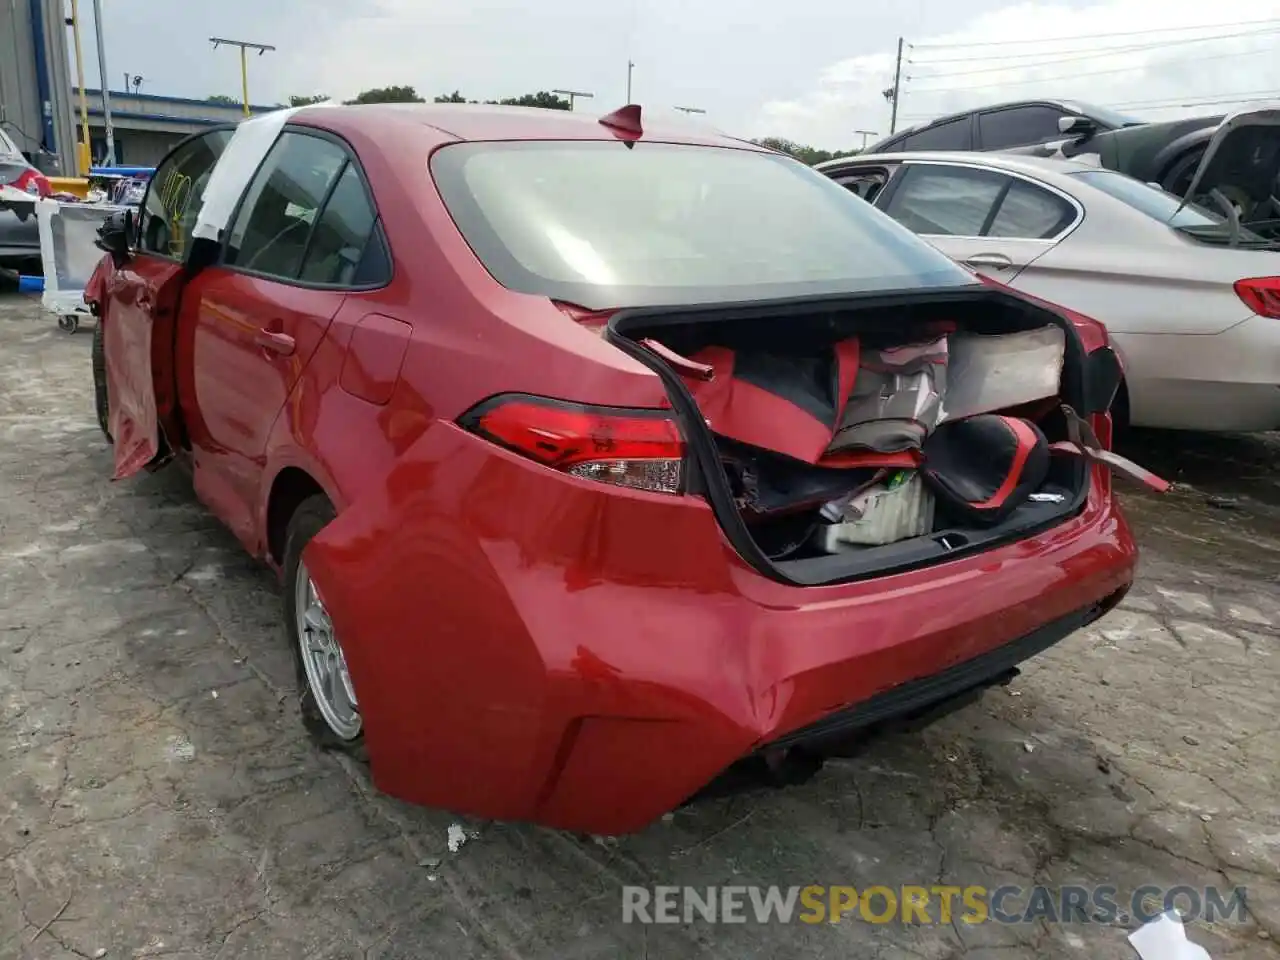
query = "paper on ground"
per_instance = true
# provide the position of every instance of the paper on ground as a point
(1166, 939)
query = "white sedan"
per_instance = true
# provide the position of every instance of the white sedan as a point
(1191, 299)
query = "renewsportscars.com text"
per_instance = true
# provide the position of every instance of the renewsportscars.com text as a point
(928, 905)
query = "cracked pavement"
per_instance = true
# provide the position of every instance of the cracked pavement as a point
(158, 797)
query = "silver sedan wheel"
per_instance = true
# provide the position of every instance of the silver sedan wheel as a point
(323, 660)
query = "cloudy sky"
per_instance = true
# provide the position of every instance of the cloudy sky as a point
(811, 72)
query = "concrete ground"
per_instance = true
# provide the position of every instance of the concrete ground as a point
(158, 797)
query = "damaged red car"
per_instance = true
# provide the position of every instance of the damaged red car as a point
(603, 460)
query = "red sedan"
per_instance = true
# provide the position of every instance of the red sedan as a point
(531, 410)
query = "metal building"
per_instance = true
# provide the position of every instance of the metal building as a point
(36, 109)
(39, 107)
(147, 125)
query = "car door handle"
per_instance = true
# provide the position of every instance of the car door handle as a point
(992, 261)
(273, 342)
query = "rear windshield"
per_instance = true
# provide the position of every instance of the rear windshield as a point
(1152, 201)
(602, 224)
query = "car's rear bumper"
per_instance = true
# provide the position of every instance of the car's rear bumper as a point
(1228, 381)
(917, 698)
(531, 646)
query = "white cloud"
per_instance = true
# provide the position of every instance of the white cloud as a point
(848, 96)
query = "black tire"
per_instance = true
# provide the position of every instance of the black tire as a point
(312, 516)
(101, 404)
(1177, 176)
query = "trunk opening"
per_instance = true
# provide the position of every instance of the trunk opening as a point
(801, 331)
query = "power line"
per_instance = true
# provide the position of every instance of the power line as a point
(1074, 76)
(1095, 53)
(1172, 104)
(1092, 36)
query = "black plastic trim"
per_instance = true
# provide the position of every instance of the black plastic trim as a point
(919, 695)
(1102, 380)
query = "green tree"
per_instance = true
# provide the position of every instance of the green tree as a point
(548, 101)
(802, 152)
(388, 95)
(222, 98)
(542, 98)
(300, 101)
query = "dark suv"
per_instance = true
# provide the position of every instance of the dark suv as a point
(1166, 152)
(1005, 125)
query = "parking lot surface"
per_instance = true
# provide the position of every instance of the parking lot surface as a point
(158, 797)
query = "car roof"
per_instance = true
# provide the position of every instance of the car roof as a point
(473, 121)
(1013, 162)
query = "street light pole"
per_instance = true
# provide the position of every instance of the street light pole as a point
(865, 134)
(897, 90)
(84, 155)
(573, 95)
(630, 66)
(244, 46)
(110, 159)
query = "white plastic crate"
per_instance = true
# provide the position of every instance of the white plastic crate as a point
(67, 235)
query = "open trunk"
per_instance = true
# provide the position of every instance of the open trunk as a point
(782, 521)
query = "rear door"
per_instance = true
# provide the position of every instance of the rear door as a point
(140, 299)
(251, 323)
(993, 222)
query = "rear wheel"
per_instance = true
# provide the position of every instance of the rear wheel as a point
(326, 697)
(100, 401)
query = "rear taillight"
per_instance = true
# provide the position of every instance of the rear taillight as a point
(1261, 295)
(639, 449)
(28, 180)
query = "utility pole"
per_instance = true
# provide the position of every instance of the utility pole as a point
(630, 66)
(244, 46)
(897, 89)
(84, 155)
(573, 95)
(110, 159)
(865, 134)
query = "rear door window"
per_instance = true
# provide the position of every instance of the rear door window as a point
(952, 135)
(1019, 127)
(939, 200)
(276, 216)
(1028, 212)
(339, 250)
